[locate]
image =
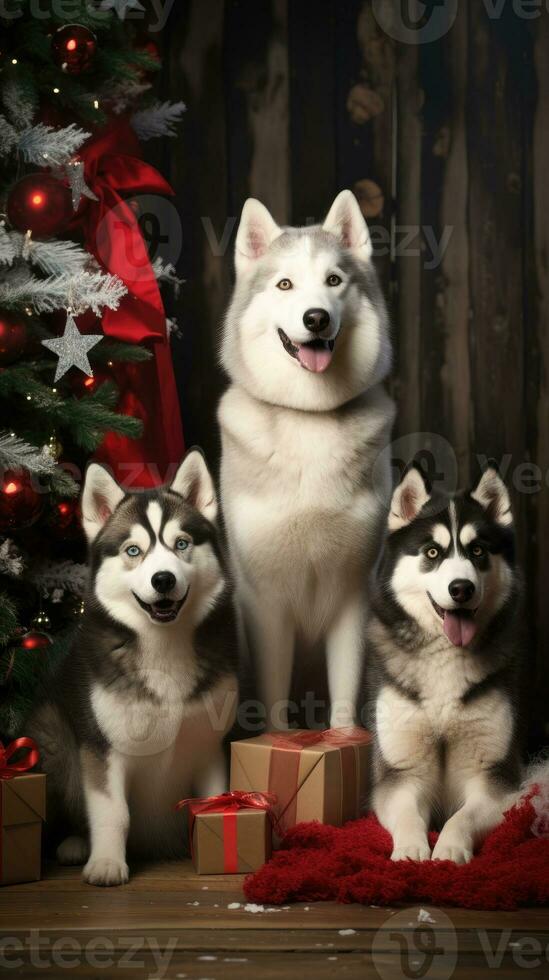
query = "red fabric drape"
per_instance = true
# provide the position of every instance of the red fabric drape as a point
(111, 232)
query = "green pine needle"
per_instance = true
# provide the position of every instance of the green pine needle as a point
(8, 619)
(119, 351)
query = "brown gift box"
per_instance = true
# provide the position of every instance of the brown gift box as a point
(313, 775)
(230, 843)
(22, 809)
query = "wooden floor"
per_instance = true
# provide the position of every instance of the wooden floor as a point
(170, 922)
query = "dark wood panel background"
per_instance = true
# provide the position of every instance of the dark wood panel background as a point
(291, 100)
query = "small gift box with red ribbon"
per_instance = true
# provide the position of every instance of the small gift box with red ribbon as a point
(22, 810)
(314, 775)
(230, 833)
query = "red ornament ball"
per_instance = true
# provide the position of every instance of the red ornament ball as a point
(151, 48)
(13, 337)
(73, 48)
(20, 503)
(41, 204)
(65, 516)
(35, 640)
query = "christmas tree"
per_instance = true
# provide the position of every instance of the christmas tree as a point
(75, 322)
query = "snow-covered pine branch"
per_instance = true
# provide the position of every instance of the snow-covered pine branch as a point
(8, 247)
(80, 292)
(172, 328)
(18, 103)
(165, 272)
(126, 94)
(158, 120)
(52, 575)
(46, 146)
(8, 137)
(11, 561)
(55, 258)
(16, 454)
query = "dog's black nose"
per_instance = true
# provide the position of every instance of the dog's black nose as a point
(461, 590)
(316, 320)
(163, 582)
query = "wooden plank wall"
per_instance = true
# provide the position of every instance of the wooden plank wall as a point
(291, 100)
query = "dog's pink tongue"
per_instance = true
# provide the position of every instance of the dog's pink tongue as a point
(314, 359)
(459, 629)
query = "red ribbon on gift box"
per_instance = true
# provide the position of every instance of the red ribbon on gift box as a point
(9, 770)
(284, 766)
(352, 735)
(229, 805)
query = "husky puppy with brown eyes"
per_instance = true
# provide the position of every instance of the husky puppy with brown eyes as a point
(135, 718)
(445, 668)
(304, 424)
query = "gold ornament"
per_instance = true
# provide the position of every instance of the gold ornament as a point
(53, 446)
(41, 622)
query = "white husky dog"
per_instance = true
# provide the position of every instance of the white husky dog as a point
(306, 347)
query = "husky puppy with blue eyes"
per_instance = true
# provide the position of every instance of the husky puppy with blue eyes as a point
(445, 657)
(135, 718)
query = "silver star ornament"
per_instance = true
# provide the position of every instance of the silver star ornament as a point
(72, 349)
(121, 7)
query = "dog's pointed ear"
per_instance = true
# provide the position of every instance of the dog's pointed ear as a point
(256, 231)
(193, 481)
(411, 494)
(492, 494)
(100, 497)
(346, 222)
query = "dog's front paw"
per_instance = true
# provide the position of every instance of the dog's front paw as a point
(458, 853)
(412, 852)
(105, 871)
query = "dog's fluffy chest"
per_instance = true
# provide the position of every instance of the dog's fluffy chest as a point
(410, 730)
(301, 480)
(141, 712)
(440, 675)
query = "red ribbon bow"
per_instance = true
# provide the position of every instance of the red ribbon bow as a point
(227, 804)
(111, 231)
(352, 735)
(29, 760)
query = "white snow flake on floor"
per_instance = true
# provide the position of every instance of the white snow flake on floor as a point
(425, 916)
(347, 932)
